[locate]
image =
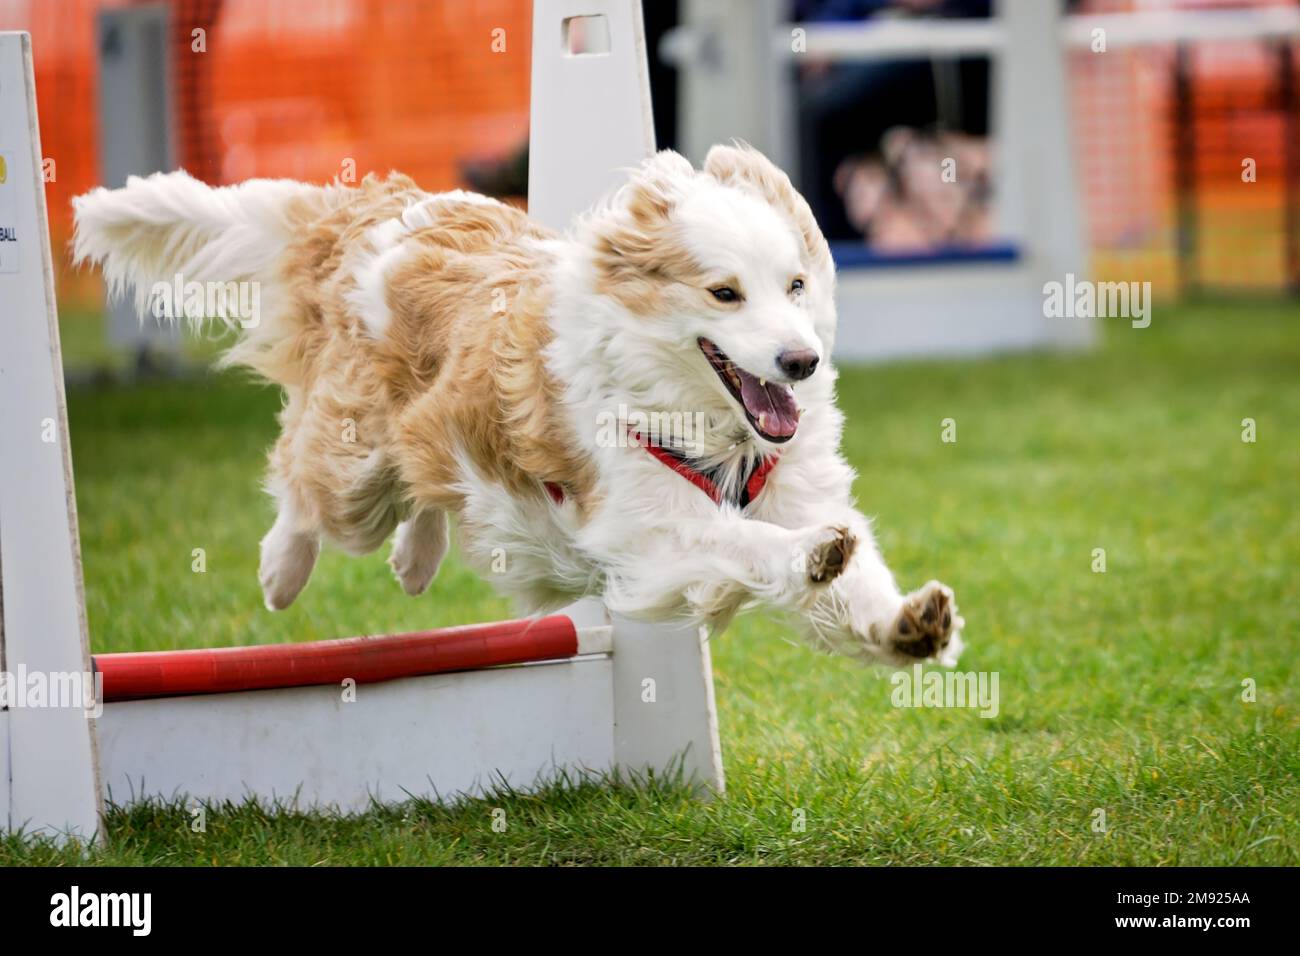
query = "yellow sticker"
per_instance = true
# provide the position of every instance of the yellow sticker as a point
(4, 171)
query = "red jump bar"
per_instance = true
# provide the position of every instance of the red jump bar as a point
(364, 659)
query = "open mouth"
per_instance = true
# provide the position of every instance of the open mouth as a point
(769, 406)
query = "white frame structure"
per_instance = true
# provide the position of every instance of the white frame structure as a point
(958, 302)
(436, 734)
(894, 307)
(975, 305)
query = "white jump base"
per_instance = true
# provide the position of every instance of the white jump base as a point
(516, 705)
(440, 736)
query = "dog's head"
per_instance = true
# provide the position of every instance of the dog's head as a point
(726, 273)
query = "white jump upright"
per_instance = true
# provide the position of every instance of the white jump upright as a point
(592, 118)
(47, 753)
(330, 724)
(591, 113)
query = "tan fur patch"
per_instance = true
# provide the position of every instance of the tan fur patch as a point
(638, 257)
(370, 424)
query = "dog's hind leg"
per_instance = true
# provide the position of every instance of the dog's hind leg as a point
(289, 553)
(418, 549)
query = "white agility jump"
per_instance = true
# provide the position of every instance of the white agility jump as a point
(438, 714)
(331, 724)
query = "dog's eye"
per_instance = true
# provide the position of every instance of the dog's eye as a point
(725, 293)
(796, 286)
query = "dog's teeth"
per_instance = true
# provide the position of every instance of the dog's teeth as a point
(762, 383)
(762, 421)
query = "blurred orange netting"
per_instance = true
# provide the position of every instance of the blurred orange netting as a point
(1164, 135)
(299, 87)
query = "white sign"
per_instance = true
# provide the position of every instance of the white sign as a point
(9, 260)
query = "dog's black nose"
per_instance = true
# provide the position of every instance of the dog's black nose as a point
(797, 364)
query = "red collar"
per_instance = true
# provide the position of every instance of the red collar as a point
(750, 488)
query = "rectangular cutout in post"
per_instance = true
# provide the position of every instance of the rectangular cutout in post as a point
(586, 36)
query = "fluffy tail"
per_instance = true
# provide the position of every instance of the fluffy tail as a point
(167, 231)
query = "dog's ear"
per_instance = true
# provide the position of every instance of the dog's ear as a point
(632, 236)
(655, 186)
(743, 166)
(632, 230)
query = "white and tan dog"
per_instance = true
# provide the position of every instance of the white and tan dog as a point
(443, 354)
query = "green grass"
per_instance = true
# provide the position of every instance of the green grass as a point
(87, 353)
(1119, 691)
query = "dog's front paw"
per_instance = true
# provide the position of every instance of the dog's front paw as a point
(928, 626)
(830, 554)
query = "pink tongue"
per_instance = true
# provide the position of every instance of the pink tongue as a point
(772, 405)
